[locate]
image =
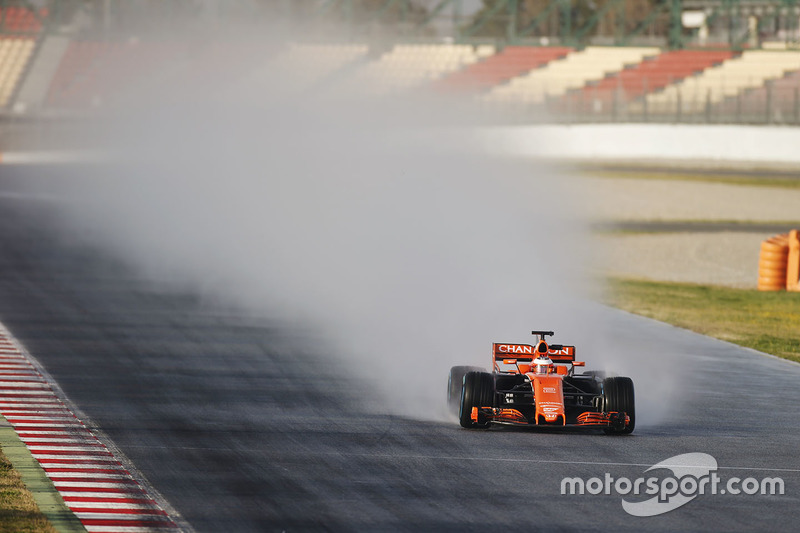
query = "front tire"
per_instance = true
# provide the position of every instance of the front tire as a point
(618, 396)
(478, 391)
(454, 383)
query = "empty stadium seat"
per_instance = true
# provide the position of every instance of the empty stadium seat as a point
(572, 72)
(20, 19)
(93, 72)
(301, 65)
(655, 73)
(750, 70)
(15, 52)
(412, 65)
(496, 69)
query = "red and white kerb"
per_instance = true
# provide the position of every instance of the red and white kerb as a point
(93, 483)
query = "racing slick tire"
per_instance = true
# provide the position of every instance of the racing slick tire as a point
(454, 383)
(618, 396)
(478, 391)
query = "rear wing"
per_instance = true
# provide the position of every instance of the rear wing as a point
(561, 354)
(557, 352)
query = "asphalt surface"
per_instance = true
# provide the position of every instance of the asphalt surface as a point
(242, 426)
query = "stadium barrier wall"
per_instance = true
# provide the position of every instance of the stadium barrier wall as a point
(667, 144)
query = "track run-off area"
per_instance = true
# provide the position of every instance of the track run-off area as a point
(241, 424)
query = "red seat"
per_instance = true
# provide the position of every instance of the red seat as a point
(22, 20)
(650, 75)
(655, 74)
(513, 61)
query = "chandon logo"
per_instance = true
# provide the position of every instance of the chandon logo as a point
(692, 475)
(515, 348)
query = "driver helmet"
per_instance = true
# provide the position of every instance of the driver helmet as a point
(543, 365)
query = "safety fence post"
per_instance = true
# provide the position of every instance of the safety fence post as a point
(768, 103)
(645, 110)
(738, 118)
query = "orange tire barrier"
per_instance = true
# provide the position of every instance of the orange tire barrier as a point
(773, 263)
(793, 263)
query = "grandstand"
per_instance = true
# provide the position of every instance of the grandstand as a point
(20, 19)
(711, 86)
(572, 72)
(654, 74)
(20, 30)
(93, 72)
(640, 80)
(77, 65)
(308, 64)
(775, 101)
(408, 66)
(496, 69)
(14, 56)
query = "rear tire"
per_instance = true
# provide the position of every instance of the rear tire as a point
(454, 383)
(478, 391)
(618, 396)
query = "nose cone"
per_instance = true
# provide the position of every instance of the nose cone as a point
(548, 395)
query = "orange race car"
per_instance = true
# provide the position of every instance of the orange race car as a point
(536, 385)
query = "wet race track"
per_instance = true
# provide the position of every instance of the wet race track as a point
(241, 426)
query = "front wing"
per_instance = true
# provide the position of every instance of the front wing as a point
(514, 417)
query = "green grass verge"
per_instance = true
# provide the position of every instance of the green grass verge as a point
(766, 321)
(18, 510)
